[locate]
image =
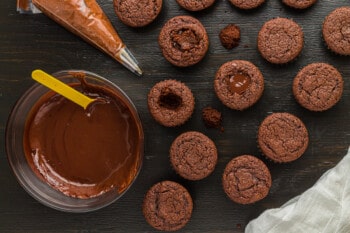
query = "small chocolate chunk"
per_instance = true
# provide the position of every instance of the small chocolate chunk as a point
(211, 117)
(230, 36)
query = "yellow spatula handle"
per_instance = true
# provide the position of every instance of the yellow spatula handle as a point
(61, 88)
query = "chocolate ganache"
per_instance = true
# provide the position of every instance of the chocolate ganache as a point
(84, 153)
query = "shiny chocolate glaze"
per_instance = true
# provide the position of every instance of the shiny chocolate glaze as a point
(84, 153)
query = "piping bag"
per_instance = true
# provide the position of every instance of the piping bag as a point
(86, 19)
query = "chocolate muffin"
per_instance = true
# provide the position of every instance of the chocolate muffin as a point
(299, 4)
(137, 13)
(195, 5)
(171, 103)
(212, 118)
(336, 30)
(239, 84)
(247, 4)
(280, 40)
(167, 206)
(230, 36)
(318, 86)
(246, 179)
(282, 137)
(183, 41)
(193, 155)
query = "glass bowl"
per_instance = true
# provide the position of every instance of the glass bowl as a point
(25, 175)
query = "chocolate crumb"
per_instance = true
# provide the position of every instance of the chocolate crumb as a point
(212, 118)
(230, 36)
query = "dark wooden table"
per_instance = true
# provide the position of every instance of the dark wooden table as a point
(28, 42)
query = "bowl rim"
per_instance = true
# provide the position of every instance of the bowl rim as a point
(19, 173)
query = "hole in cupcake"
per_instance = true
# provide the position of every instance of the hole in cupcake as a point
(184, 39)
(238, 83)
(168, 99)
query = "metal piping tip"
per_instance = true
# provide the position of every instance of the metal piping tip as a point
(128, 60)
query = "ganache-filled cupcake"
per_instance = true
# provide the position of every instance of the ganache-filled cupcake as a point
(183, 41)
(137, 13)
(167, 206)
(193, 155)
(239, 84)
(336, 30)
(246, 179)
(299, 4)
(195, 5)
(280, 40)
(282, 137)
(247, 4)
(318, 86)
(171, 103)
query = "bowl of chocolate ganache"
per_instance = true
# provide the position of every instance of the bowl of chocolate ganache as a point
(70, 158)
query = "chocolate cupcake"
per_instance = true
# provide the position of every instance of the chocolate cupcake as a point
(167, 206)
(247, 4)
(193, 155)
(239, 84)
(280, 40)
(336, 30)
(195, 5)
(246, 179)
(299, 4)
(137, 13)
(318, 87)
(282, 137)
(171, 103)
(183, 41)
(230, 36)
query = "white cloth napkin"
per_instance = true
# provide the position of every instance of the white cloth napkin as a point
(325, 207)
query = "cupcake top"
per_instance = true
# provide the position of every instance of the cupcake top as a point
(167, 206)
(247, 4)
(193, 155)
(238, 84)
(299, 4)
(171, 103)
(183, 41)
(336, 30)
(318, 86)
(282, 137)
(195, 5)
(280, 40)
(137, 13)
(246, 179)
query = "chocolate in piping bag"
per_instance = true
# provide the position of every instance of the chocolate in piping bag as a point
(86, 19)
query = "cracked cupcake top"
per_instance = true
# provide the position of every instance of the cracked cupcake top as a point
(282, 137)
(193, 155)
(167, 206)
(246, 179)
(280, 40)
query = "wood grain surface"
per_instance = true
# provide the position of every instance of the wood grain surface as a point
(28, 42)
